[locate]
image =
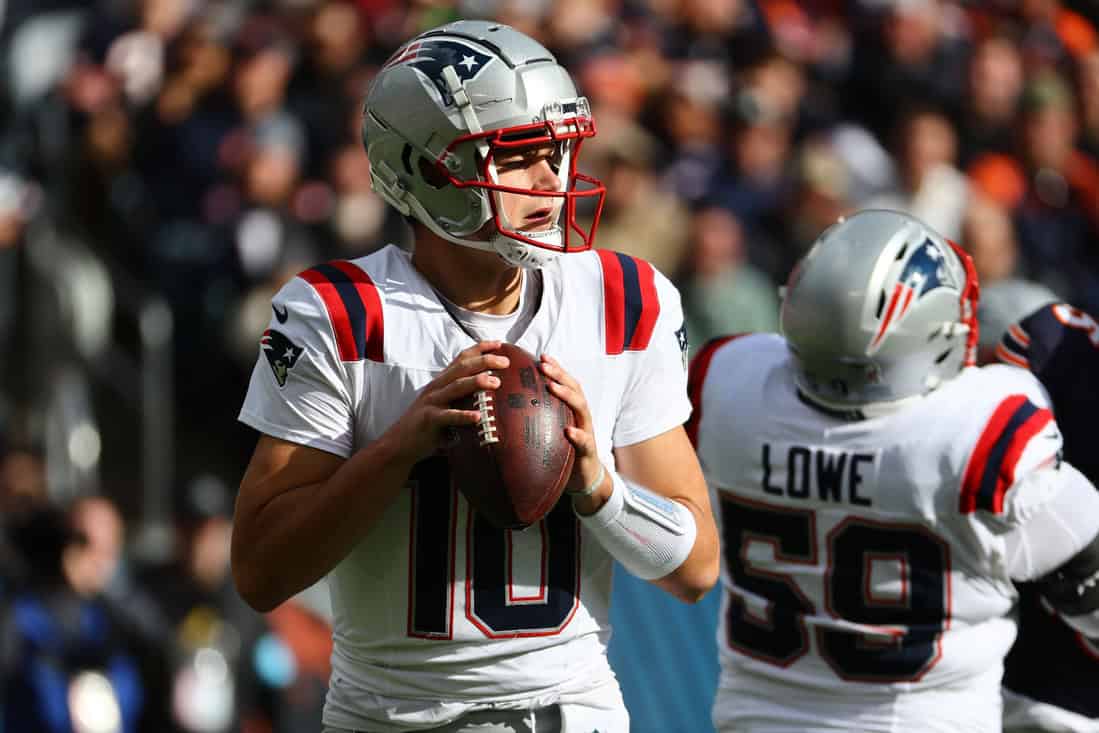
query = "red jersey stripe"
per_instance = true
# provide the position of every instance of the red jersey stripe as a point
(372, 302)
(696, 379)
(975, 470)
(614, 301)
(1019, 441)
(337, 313)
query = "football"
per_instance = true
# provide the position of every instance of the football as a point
(513, 465)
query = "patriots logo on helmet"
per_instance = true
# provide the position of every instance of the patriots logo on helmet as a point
(281, 353)
(431, 56)
(923, 273)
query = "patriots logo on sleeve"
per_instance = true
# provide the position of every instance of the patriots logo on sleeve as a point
(281, 354)
(684, 346)
(431, 56)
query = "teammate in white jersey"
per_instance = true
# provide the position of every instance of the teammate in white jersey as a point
(879, 495)
(442, 622)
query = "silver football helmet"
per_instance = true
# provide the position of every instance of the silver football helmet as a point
(880, 310)
(445, 105)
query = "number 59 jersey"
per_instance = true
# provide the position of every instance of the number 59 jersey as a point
(435, 609)
(863, 559)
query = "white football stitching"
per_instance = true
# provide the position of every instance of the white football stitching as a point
(486, 426)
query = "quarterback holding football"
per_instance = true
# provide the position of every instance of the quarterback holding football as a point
(447, 618)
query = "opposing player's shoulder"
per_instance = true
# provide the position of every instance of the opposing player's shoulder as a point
(635, 298)
(1010, 432)
(1052, 336)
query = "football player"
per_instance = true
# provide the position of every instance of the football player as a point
(441, 621)
(879, 496)
(1051, 676)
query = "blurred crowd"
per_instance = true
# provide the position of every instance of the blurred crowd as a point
(204, 151)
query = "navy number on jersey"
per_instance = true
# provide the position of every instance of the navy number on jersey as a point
(905, 626)
(493, 604)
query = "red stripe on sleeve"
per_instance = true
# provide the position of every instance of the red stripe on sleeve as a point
(971, 484)
(696, 378)
(614, 301)
(337, 313)
(650, 307)
(1026, 431)
(372, 303)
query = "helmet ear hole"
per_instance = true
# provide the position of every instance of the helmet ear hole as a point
(432, 176)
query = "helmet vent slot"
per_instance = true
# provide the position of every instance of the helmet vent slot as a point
(881, 304)
(942, 357)
(377, 120)
(431, 175)
(901, 251)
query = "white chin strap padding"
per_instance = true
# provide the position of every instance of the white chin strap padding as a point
(522, 254)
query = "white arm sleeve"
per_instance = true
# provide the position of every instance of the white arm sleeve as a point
(1051, 536)
(649, 534)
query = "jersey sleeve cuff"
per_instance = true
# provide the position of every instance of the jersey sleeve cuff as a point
(301, 437)
(652, 428)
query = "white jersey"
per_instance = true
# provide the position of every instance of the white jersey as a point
(863, 560)
(436, 611)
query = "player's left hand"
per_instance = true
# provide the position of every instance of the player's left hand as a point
(582, 436)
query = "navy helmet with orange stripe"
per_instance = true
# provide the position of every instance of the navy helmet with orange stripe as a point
(451, 101)
(880, 310)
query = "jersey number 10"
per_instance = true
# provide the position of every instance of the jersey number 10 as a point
(491, 603)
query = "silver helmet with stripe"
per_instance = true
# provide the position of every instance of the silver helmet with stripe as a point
(880, 310)
(452, 100)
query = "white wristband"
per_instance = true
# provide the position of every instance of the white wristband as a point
(649, 534)
(594, 484)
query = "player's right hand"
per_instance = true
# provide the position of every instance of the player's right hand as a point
(419, 433)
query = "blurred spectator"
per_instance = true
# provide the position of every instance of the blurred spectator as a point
(1054, 34)
(639, 217)
(931, 188)
(211, 627)
(998, 177)
(1088, 76)
(329, 79)
(22, 478)
(726, 31)
(910, 54)
(1058, 220)
(287, 678)
(722, 293)
(821, 194)
(993, 86)
(764, 114)
(693, 123)
(989, 237)
(61, 661)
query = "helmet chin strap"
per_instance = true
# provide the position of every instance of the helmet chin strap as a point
(513, 251)
(522, 254)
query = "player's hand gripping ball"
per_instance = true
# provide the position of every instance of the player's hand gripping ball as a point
(513, 465)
